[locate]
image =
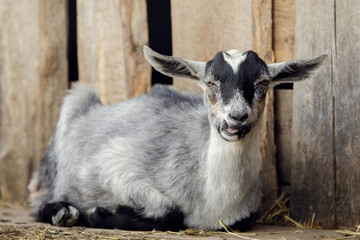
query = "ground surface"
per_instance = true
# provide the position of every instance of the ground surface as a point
(17, 224)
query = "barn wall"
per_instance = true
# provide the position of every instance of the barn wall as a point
(202, 28)
(317, 127)
(111, 34)
(34, 72)
(33, 79)
(326, 154)
(346, 92)
(283, 44)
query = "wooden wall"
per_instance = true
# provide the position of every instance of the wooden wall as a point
(199, 32)
(283, 44)
(111, 34)
(317, 128)
(346, 93)
(326, 127)
(34, 72)
(33, 79)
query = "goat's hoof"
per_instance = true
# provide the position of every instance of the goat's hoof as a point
(59, 218)
(102, 212)
(65, 217)
(90, 212)
(100, 217)
(98, 212)
(72, 217)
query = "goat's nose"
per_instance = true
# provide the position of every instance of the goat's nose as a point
(239, 116)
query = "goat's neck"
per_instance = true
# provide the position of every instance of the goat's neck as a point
(232, 166)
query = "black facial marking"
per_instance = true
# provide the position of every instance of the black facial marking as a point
(248, 71)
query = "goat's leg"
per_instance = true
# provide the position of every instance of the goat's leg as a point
(60, 214)
(127, 218)
(150, 209)
(244, 224)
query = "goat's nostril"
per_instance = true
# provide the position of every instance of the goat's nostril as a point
(240, 117)
(244, 117)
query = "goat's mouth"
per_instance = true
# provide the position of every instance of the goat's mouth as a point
(234, 133)
(231, 130)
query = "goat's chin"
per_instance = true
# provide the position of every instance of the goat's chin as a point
(230, 138)
(233, 137)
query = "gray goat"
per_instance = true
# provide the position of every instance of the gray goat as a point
(165, 160)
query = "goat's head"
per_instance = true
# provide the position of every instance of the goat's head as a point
(235, 84)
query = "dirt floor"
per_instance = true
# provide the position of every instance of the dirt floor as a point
(17, 224)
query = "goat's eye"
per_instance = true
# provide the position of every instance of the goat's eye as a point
(264, 83)
(261, 87)
(209, 84)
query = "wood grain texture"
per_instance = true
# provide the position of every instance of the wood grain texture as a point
(347, 112)
(201, 28)
(284, 29)
(283, 44)
(313, 180)
(262, 44)
(33, 80)
(263, 29)
(111, 34)
(283, 134)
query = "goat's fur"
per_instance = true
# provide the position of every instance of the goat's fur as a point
(164, 155)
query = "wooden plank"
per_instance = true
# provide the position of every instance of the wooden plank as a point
(284, 29)
(283, 134)
(33, 80)
(262, 29)
(111, 35)
(262, 44)
(283, 43)
(313, 180)
(347, 112)
(201, 28)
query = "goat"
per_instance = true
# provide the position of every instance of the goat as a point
(165, 160)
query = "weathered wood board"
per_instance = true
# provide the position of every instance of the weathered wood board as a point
(201, 28)
(111, 35)
(313, 179)
(33, 80)
(283, 44)
(347, 112)
(283, 134)
(262, 36)
(326, 173)
(284, 29)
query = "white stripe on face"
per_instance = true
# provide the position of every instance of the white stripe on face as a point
(234, 58)
(237, 103)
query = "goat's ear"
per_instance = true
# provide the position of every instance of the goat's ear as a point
(295, 70)
(175, 66)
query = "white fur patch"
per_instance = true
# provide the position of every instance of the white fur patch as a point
(237, 163)
(121, 170)
(238, 104)
(234, 58)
